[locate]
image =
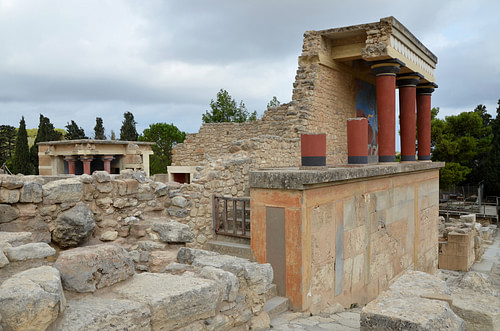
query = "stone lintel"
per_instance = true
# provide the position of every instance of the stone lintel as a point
(297, 179)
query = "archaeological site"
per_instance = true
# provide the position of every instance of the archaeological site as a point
(305, 210)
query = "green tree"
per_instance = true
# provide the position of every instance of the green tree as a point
(99, 129)
(73, 131)
(273, 103)
(21, 162)
(113, 135)
(225, 109)
(46, 132)
(128, 131)
(7, 142)
(166, 136)
(492, 166)
(463, 143)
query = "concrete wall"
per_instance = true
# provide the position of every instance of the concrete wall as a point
(348, 239)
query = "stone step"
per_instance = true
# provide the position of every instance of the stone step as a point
(276, 306)
(230, 248)
(271, 293)
(233, 239)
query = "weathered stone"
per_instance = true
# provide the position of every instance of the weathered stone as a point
(104, 187)
(158, 260)
(403, 306)
(228, 283)
(64, 190)
(177, 268)
(15, 238)
(260, 322)
(219, 322)
(175, 301)
(109, 235)
(187, 255)
(177, 212)
(161, 189)
(179, 201)
(101, 176)
(95, 314)
(130, 220)
(3, 259)
(173, 232)
(85, 269)
(145, 192)
(73, 227)
(86, 179)
(32, 299)
(148, 245)
(122, 203)
(35, 225)
(259, 276)
(31, 192)
(9, 196)
(29, 252)
(8, 213)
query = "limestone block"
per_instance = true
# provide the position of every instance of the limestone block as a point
(173, 232)
(32, 299)
(101, 176)
(132, 186)
(27, 210)
(260, 322)
(122, 203)
(105, 187)
(188, 255)
(63, 191)
(471, 218)
(179, 201)
(86, 179)
(31, 192)
(3, 259)
(9, 196)
(96, 314)
(177, 212)
(145, 193)
(259, 276)
(161, 189)
(148, 245)
(8, 213)
(228, 283)
(219, 322)
(11, 182)
(74, 226)
(85, 269)
(109, 236)
(158, 260)
(35, 225)
(15, 238)
(175, 301)
(29, 252)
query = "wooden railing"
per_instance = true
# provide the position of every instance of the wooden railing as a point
(231, 216)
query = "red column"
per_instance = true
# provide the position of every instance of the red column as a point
(86, 164)
(424, 92)
(313, 149)
(71, 164)
(407, 84)
(357, 140)
(107, 162)
(385, 72)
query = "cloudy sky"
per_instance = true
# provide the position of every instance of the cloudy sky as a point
(165, 60)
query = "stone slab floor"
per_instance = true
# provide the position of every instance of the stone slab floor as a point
(349, 320)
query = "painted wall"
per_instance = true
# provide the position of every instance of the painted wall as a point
(366, 106)
(347, 241)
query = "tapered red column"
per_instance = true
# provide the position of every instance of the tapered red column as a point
(385, 72)
(107, 162)
(424, 92)
(86, 164)
(71, 164)
(407, 84)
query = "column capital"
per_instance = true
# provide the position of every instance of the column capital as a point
(386, 67)
(409, 79)
(70, 158)
(426, 88)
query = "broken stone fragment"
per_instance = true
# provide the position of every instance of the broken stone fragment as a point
(63, 191)
(29, 252)
(8, 213)
(173, 232)
(74, 226)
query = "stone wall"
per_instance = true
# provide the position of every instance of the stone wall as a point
(349, 232)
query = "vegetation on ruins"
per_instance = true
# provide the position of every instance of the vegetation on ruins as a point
(225, 109)
(492, 164)
(7, 142)
(273, 103)
(99, 129)
(46, 132)
(73, 131)
(464, 142)
(21, 163)
(166, 136)
(128, 132)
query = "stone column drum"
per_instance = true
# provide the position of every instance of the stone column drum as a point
(385, 72)
(407, 84)
(357, 140)
(313, 150)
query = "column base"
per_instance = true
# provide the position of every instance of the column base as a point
(408, 158)
(424, 157)
(386, 158)
(315, 161)
(357, 159)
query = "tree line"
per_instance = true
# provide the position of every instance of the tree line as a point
(19, 157)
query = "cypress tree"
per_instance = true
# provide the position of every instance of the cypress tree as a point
(128, 131)
(99, 129)
(73, 131)
(46, 132)
(21, 161)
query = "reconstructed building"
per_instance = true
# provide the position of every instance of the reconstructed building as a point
(85, 156)
(342, 232)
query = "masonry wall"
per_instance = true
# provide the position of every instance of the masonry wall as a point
(348, 241)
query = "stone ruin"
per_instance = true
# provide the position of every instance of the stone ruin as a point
(107, 250)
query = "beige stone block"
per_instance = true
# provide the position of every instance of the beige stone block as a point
(9, 196)
(357, 268)
(27, 210)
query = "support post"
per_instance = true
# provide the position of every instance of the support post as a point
(407, 84)
(424, 92)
